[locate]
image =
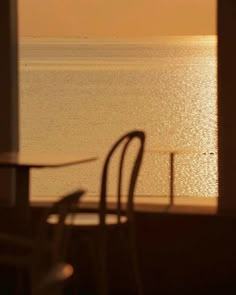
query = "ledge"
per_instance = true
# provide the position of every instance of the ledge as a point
(182, 205)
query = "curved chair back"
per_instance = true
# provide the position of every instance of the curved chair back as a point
(124, 142)
(51, 241)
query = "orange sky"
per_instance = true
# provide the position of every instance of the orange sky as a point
(116, 18)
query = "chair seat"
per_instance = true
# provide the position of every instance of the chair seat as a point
(87, 219)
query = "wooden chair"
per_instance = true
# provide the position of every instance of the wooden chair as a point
(121, 217)
(43, 257)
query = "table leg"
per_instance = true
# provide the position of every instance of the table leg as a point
(22, 187)
(21, 194)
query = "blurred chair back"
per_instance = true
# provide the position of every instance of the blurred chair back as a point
(52, 240)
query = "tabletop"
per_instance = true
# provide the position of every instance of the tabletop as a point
(43, 160)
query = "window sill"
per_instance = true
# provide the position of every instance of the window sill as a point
(182, 205)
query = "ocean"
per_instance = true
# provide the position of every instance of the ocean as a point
(82, 94)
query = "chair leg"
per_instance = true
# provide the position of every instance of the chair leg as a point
(101, 265)
(134, 257)
(92, 249)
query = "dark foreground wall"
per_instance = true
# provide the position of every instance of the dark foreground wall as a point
(187, 254)
(179, 254)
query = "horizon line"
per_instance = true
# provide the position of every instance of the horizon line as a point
(114, 37)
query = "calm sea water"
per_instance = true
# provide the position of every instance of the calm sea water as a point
(82, 94)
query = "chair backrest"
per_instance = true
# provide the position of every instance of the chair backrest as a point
(124, 143)
(51, 240)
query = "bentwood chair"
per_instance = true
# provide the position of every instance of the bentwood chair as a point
(43, 257)
(96, 224)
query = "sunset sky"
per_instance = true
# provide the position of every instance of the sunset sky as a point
(116, 18)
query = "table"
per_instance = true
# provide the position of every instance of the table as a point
(24, 161)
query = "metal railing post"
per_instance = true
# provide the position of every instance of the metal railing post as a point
(172, 159)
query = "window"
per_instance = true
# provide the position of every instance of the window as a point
(89, 73)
